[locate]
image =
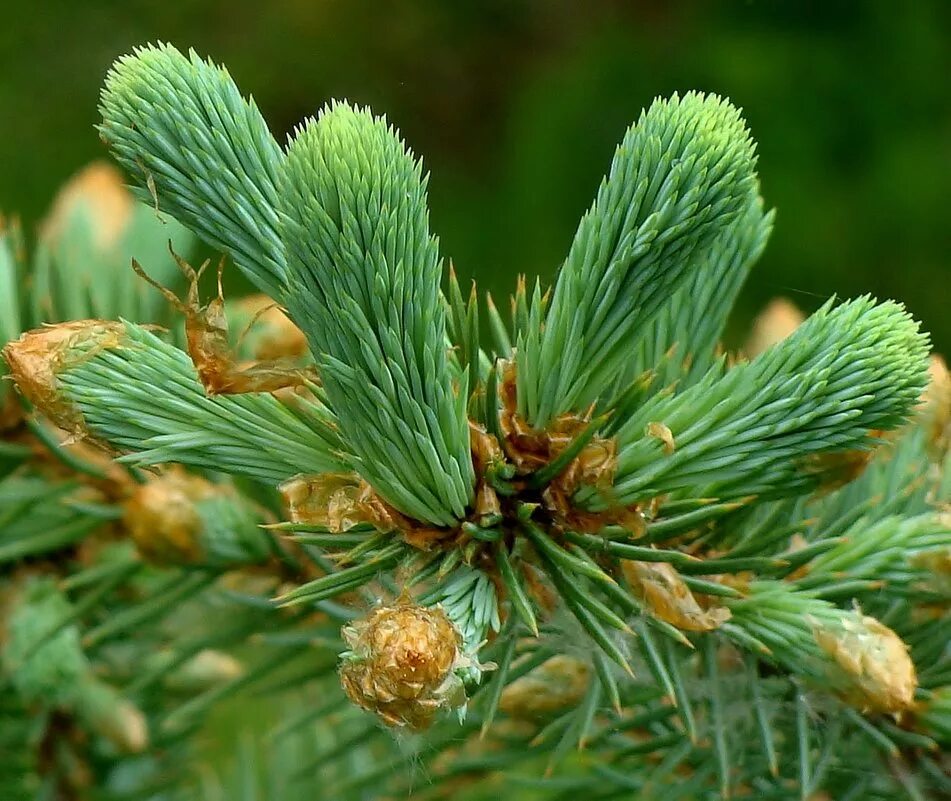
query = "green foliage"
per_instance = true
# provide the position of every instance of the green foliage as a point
(43, 658)
(10, 270)
(848, 370)
(142, 394)
(697, 313)
(231, 532)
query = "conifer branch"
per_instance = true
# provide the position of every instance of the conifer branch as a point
(200, 152)
(363, 283)
(515, 524)
(774, 426)
(680, 344)
(139, 394)
(678, 180)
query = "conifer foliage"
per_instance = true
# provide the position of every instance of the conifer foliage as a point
(578, 547)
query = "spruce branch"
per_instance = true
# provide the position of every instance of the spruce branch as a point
(200, 152)
(612, 485)
(859, 658)
(679, 179)
(773, 426)
(680, 344)
(896, 550)
(363, 283)
(125, 386)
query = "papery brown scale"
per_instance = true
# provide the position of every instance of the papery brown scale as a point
(36, 358)
(871, 669)
(531, 449)
(206, 335)
(486, 452)
(667, 597)
(340, 501)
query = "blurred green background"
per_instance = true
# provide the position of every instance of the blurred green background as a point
(516, 106)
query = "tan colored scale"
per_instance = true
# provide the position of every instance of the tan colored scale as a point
(39, 355)
(340, 501)
(668, 598)
(206, 334)
(486, 453)
(531, 449)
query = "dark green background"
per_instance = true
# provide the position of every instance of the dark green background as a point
(517, 105)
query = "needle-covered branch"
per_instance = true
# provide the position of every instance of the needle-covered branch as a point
(679, 179)
(616, 554)
(123, 385)
(782, 423)
(363, 283)
(681, 343)
(200, 152)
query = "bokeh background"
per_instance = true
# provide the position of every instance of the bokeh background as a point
(516, 106)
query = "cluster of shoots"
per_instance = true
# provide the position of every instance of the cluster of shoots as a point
(580, 525)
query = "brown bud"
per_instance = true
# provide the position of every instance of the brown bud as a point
(39, 355)
(162, 519)
(870, 669)
(401, 664)
(558, 684)
(937, 404)
(98, 192)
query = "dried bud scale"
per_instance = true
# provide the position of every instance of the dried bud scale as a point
(36, 358)
(667, 597)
